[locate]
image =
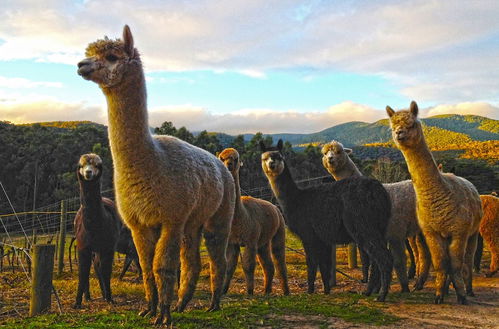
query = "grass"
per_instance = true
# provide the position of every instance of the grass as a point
(237, 312)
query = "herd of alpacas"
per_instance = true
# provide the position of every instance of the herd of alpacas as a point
(169, 193)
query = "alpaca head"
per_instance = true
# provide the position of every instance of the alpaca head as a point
(90, 167)
(109, 62)
(272, 159)
(407, 131)
(230, 158)
(335, 156)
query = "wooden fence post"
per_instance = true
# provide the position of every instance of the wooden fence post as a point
(62, 239)
(332, 281)
(41, 286)
(352, 255)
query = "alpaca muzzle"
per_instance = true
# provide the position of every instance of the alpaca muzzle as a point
(85, 68)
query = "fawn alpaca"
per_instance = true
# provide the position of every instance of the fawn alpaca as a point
(448, 207)
(168, 191)
(258, 225)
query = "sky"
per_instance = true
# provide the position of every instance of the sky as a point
(243, 66)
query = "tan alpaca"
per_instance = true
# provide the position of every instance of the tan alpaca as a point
(259, 226)
(448, 207)
(489, 229)
(403, 221)
(167, 191)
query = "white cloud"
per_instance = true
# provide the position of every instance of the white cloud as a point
(478, 108)
(41, 110)
(22, 83)
(197, 118)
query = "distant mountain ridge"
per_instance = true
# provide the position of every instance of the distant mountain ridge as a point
(448, 128)
(445, 129)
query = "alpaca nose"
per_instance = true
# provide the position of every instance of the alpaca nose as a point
(84, 62)
(85, 67)
(230, 166)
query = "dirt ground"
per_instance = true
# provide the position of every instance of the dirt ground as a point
(416, 310)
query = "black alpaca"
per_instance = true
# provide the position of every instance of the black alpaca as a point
(97, 229)
(353, 209)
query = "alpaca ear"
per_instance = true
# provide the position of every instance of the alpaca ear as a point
(389, 111)
(263, 148)
(217, 154)
(279, 145)
(347, 150)
(128, 40)
(414, 108)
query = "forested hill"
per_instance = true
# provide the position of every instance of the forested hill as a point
(39, 160)
(448, 129)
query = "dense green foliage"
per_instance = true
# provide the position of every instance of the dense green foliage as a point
(50, 151)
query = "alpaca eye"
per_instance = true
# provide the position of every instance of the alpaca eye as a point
(111, 58)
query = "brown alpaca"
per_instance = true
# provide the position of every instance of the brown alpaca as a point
(489, 229)
(403, 222)
(448, 207)
(168, 191)
(258, 225)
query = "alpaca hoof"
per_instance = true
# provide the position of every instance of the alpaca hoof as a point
(381, 298)
(250, 292)
(418, 286)
(147, 313)
(439, 300)
(405, 289)
(179, 308)
(213, 308)
(367, 293)
(462, 300)
(77, 306)
(159, 320)
(286, 292)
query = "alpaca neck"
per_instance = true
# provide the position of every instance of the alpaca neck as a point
(91, 201)
(284, 187)
(348, 170)
(422, 167)
(238, 209)
(127, 111)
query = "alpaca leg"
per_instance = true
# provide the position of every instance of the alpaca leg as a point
(126, 265)
(494, 263)
(437, 246)
(190, 266)
(457, 251)
(325, 264)
(411, 272)
(364, 258)
(84, 263)
(478, 254)
(137, 265)
(397, 248)
(98, 272)
(279, 257)
(424, 261)
(468, 264)
(106, 272)
(248, 261)
(268, 267)
(165, 267)
(381, 257)
(216, 244)
(232, 258)
(145, 241)
(312, 264)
